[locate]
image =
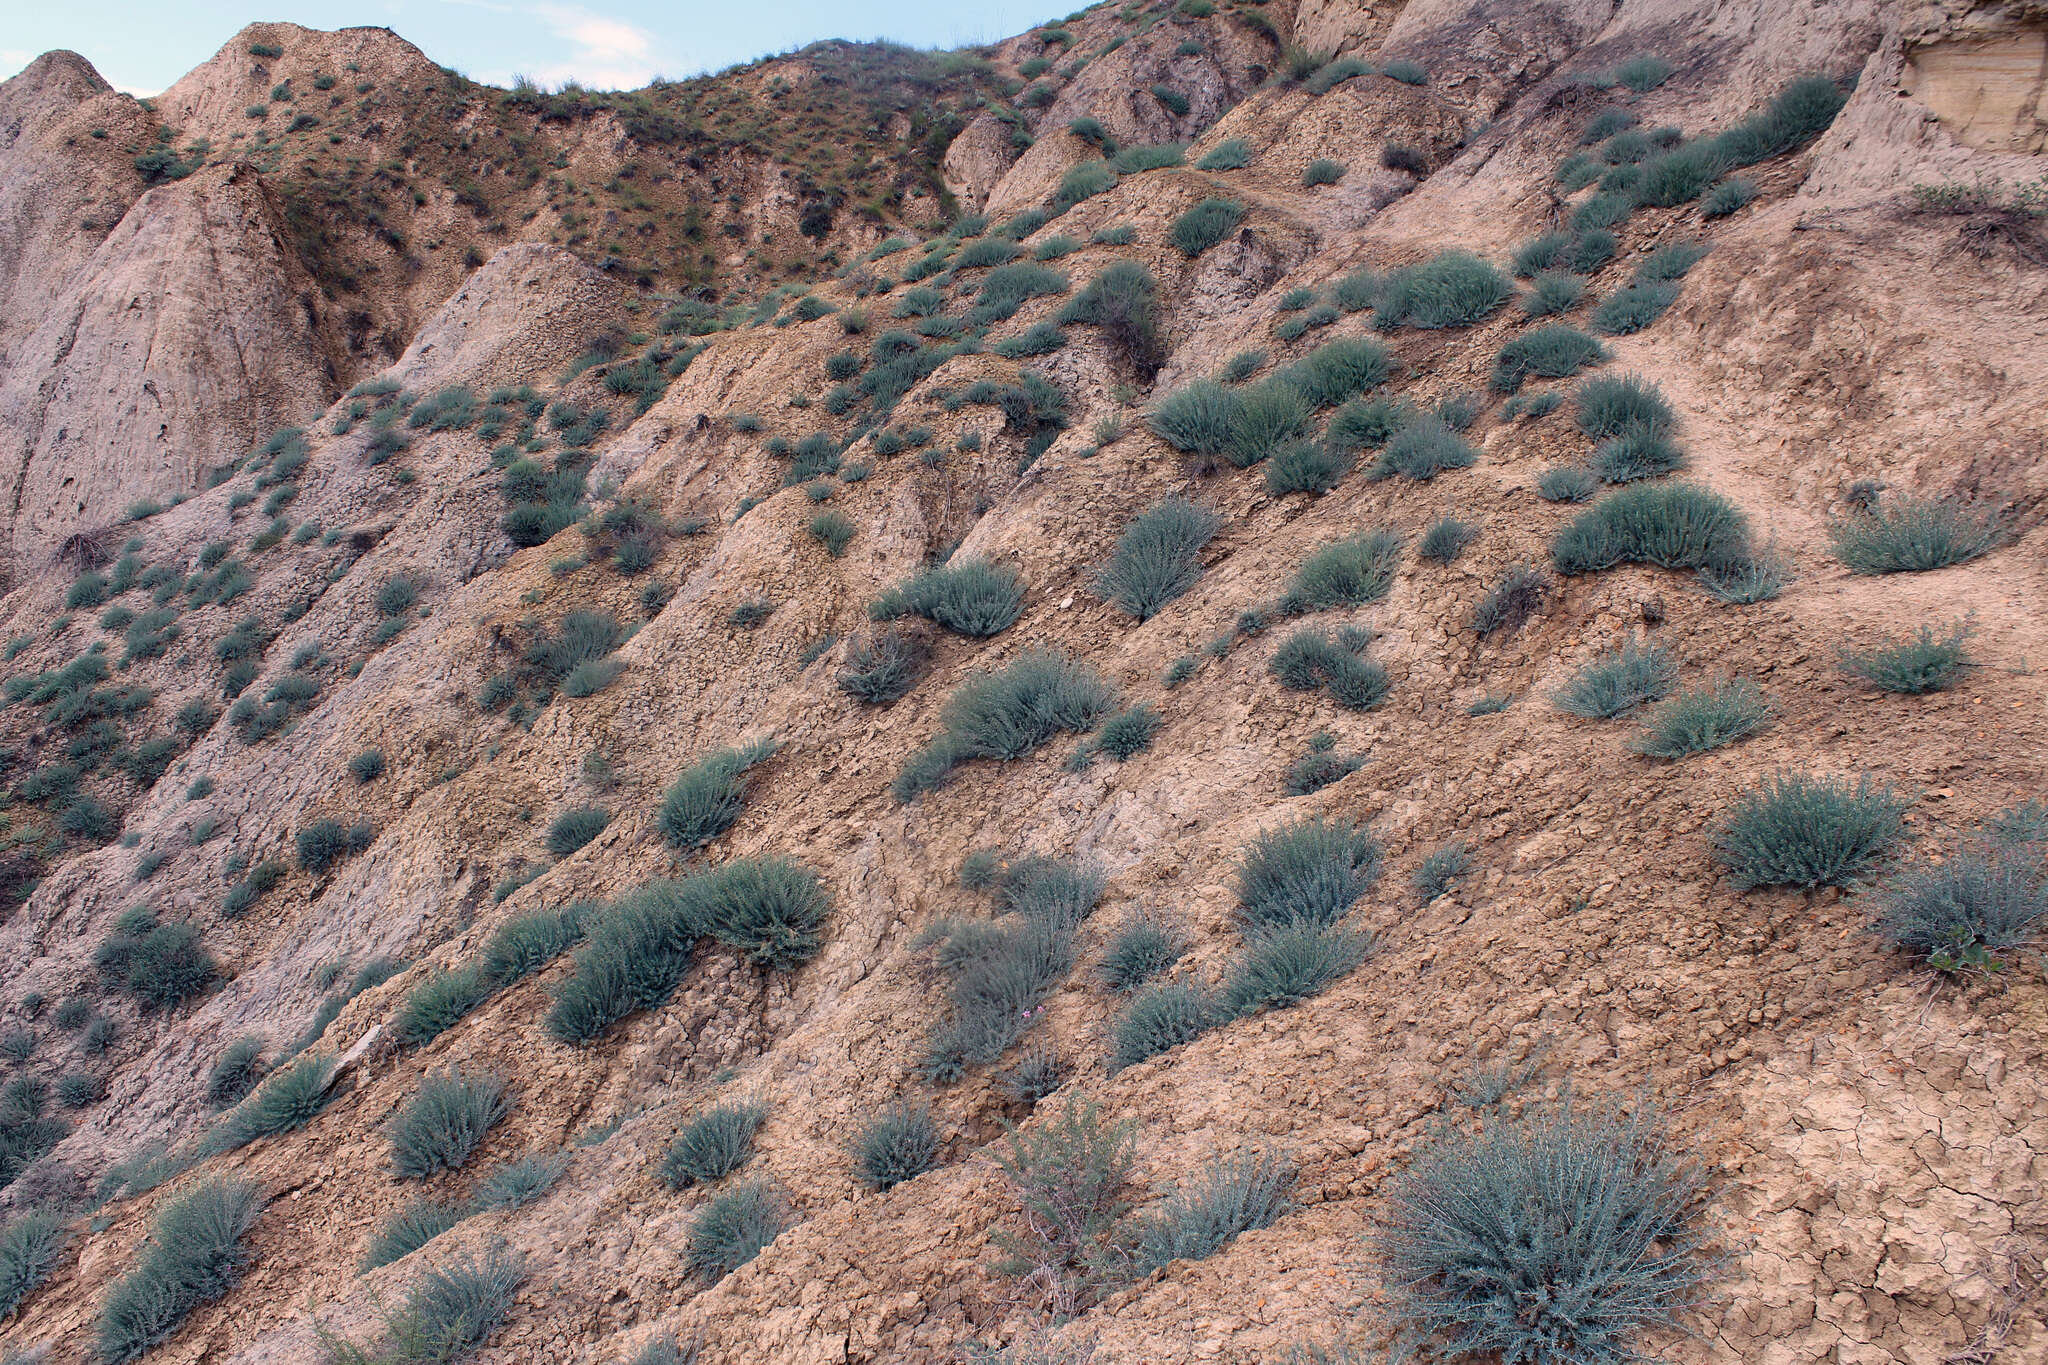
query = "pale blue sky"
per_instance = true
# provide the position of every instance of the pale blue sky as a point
(143, 45)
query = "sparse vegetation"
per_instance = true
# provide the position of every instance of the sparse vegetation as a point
(1455, 289)
(1232, 1195)
(1007, 714)
(973, 597)
(1204, 225)
(1704, 719)
(1619, 682)
(898, 1144)
(444, 1121)
(1157, 558)
(1914, 535)
(712, 1145)
(1924, 662)
(734, 1227)
(706, 799)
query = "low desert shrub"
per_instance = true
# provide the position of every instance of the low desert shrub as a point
(1704, 719)
(1445, 540)
(882, 667)
(1455, 289)
(1232, 1195)
(1633, 307)
(1913, 535)
(30, 1247)
(1123, 300)
(898, 1144)
(1435, 873)
(444, 1121)
(526, 943)
(712, 1145)
(1158, 1018)
(1143, 947)
(1422, 449)
(972, 597)
(1352, 572)
(1961, 912)
(518, 1183)
(1619, 682)
(408, 1229)
(1727, 197)
(448, 1312)
(1231, 154)
(1797, 830)
(1674, 526)
(1551, 352)
(735, 1227)
(1553, 292)
(1561, 1235)
(572, 829)
(1924, 662)
(704, 801)
(1204, 225)
(1309, 872)
(1567, 483)
(194, 1255)
(439, 1003)
(1512, 601)
(235, 1072)
(324, 843)
(1158, 557)
(1197, 418)
(1285, 965)
(1321, 171)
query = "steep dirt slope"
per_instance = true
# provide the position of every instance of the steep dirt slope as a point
(1873, 1129)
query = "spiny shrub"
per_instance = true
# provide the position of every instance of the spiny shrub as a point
(1158, 557)
(286, 1102)
(1083, 181)
(1913, 535)
(735, 1227)
(1158, 1018)
(882, 667)
(1960, 912)
(440, 1003)
(1008, 713)
(1589, 250)
(235, 1072)
(712, 1145)
(29, 1250)
(1674, 526)
(1551, 352)
(409, 1229)
(1233, 1195)
(572, 829)
(1617, 405)
(1306, 467)
(1145, 945)
(1670, 262)
(1204, 225)
(1678, 176)
(972, 597)
(1310, 872)
(833, 530)
(78, 1089)
(1633, 307)
(985, 251)
(367, 766)
(160, 965)
(1423, 449)
(1289, 964)
(1435, 873)
(1336, 370)
(1552, 293)
(1797, 830)
(324, 843)
(516, 1184)
(901, 1143)
(1619, 682)
(1746, 583)
(703, 802)
(1561, 1235)
(770, 909)
(526, 943)
(583, 637)
(194, 1255)
(1007, 288)
(1635, 455)
(443, 1123)
(1704, 719)
(1320, 766)
(1123, 300)
(1455, 289)
(1321, 171)
(1923, 663)
(252, 888)
(1351, 572)
(1445, 540)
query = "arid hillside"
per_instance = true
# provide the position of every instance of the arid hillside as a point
(1233, 682)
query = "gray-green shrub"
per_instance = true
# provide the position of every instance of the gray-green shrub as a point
(1619, 682)
(1422, 449)
(735, 1227)
(1673, 526)
(1923, 662)
(1308, 872)
(1232, 1195)
(1914, 535)
(444, 1121)
(1158, 1018)
(900, 1143)
(195, 1254)
(439, 1003)
(1798, 830)
(706, 798)
(972, 597)
(712, 1145)
(1158, 557)
(1352, 572)
(1455, 289)
(1551, 352)
(408, 1229)
(1704, 719)
(1204, 225)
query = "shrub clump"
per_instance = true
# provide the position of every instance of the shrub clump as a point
(287, 1101)
(1559, 1235)
(440, 1003)
(712, 1145)
(1797, 830)
(1232, 1195)
(1552, 352)
(1619, 682)
(1422, 449)
(1008, 713)
(704, 801)
(1286, 965)
(324, 843)
(1674, 526)
(1914, 535)
(1311, 872)
(194, 1255)
(572, 829)
(973, 597)
(734, 1228)
(1958, 914)
(443, 1123)
(1204, 225)
(1455, 289)
(1923, 663)
(899, 1144)
(1704, 719)
(1157, 558)
(1158, 1018)
(29, 1250)
(1143, 946)
(882, 667)
(1309, 659)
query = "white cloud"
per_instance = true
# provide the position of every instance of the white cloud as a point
(604, 53)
